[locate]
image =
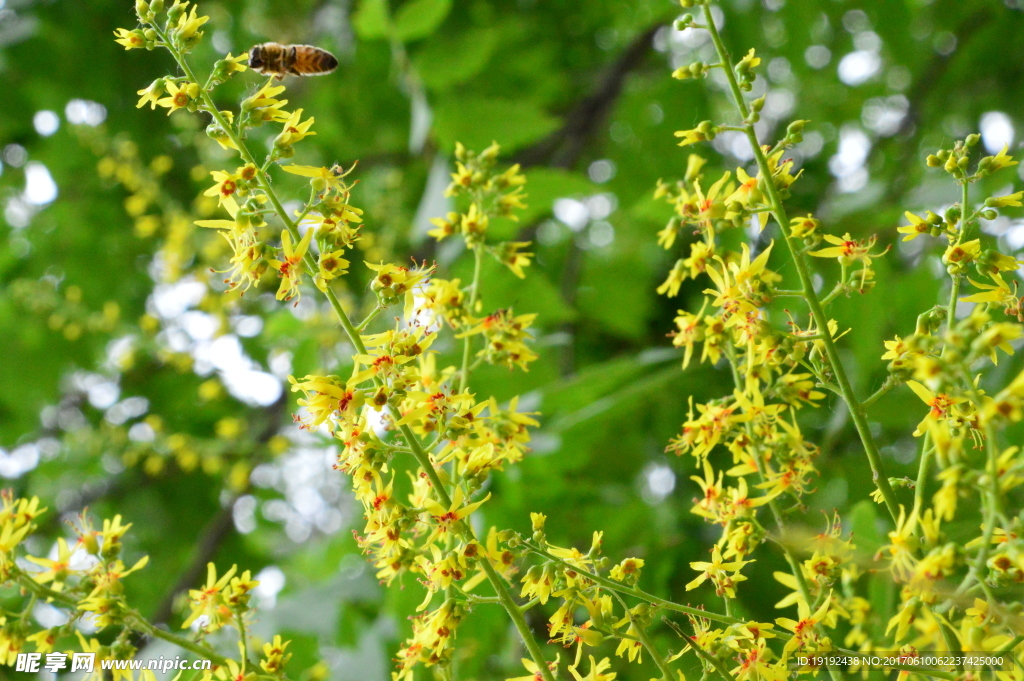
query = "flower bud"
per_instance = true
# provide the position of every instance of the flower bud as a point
(989, 214)
(175, 13)
(142, 9)
(933, 161)
(156, 6)
(972, 140)
(683, 22)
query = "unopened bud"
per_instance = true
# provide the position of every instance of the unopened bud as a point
(972, 140)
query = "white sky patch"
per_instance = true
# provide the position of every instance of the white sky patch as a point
(658, 482)
(858, 67)
(172, 300)
(19, 461)
(271, 581)
(85, 112)
(40, 189)
(996, 131)
(848, 164)
(884, 115)
(817, 56)
(46, 122)
(572, 213)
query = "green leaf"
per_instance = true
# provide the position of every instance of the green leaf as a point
(448, 60)
(419, 18)
(371, 20)
(476, 122)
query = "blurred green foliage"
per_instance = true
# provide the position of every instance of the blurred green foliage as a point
(580, 93)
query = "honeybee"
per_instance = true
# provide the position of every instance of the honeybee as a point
(297, 60)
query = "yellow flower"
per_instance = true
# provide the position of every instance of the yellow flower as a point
(263, 105)
(189, 24)
(916, 228)
(747, 192)
(991, 164)
(290, 269)
(940, 405)
(803, 227)
(225, 189)
(999, 293)
(294, 131)
(209, 600)
(598, 671)
(510, 256)
(274, 656)
(1013, 199)
(718, 571)
(151, 94)
(627, 569)
(329, 176)
(443, 518)
(179, 97)
(535, 673)
(330, 265)
(132, 40)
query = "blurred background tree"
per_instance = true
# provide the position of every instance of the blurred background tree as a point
(128, 385)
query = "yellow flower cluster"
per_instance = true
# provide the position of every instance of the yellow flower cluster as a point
(754, 462)
(85, 579)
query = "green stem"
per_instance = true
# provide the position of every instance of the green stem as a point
(645, 640)
(807, 284)
(954, 292)
(710, 659)
(875, 396)
(473, 294)
(243, 641)
(923, 473)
